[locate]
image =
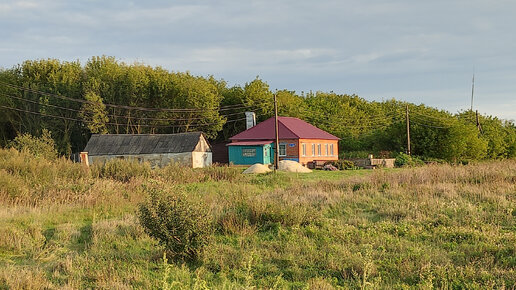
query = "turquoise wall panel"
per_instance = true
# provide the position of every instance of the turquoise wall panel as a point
(249, 155)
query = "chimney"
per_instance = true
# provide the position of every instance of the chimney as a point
(84, 158)
(250, 119)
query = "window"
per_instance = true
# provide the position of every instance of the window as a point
(331, 149)
(248, 152)
(326, 149)
(283, 150)
(313, 149)
(304, 149)
(318, 149)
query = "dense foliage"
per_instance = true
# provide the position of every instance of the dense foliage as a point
(182, 227)
(183, 102)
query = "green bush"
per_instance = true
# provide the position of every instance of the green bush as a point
(405, 160)
(342, 164)
(43, 146)
(219, 173)
(183, 227)
(121, 170)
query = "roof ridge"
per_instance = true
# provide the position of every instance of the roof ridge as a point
(297, 135)
(148, 134)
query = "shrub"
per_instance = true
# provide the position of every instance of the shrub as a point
(43, 146)
(405, 160)
(342, 164)
(218, 173)
(182, 227)
(121, 170)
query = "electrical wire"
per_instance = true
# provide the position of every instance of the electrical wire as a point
(436, 123)
(429, 126)
(224, 108)
(119, 124)
(117, 116)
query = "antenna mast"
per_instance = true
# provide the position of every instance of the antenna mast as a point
(472, 91)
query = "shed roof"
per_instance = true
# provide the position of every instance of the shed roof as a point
(288, 128)
(134, 144)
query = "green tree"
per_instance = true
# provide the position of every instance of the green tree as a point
(258, 96)
(94, 114)
(290, 104)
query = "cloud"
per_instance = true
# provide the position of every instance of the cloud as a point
(420, 51)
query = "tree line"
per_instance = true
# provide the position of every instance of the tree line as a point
(105, 95)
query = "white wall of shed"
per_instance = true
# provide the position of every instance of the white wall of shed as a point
(201, 159)
(155, 160)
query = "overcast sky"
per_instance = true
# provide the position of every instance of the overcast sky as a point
(417, 51)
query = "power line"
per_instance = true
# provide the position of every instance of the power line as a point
(117, 116)
(430, 126)
(224, 108)
(119, 124)
(440, 118)
(433, 122)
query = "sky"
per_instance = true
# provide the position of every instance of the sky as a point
(410, 50)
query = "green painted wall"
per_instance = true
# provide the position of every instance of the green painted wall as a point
(243, 155)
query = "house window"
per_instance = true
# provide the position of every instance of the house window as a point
(249, 152)
(318, 149)
(313, 149)
(304, 149)
(326, 149)
(331, 149)
(283, 150)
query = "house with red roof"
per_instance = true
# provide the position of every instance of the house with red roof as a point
(298, 141)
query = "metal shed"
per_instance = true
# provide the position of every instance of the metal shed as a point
(188, 149)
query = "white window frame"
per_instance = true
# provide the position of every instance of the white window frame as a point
(326, 149)
(313, 149)
(303, 148)
(331, 149)
(319, 150)
(279, 149)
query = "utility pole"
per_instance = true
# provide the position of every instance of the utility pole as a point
(478, 122)
(472, 91)
(408, 131)
(276, 149)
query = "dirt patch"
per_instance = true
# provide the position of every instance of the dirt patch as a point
(292, 166)
(257, 168)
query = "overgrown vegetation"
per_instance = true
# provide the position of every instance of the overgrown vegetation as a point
(364, 127)
(405, 160)
(181, 226)
(342, 164)
(43, 146)
(435, 226)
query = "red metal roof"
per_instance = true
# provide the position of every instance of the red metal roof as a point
(288, 128)
(248, 143)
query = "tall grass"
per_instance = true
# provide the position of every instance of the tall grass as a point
(440, 226)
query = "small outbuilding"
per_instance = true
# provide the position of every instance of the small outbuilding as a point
(188, 149)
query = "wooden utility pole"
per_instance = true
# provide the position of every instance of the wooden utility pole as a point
(408, 130)
(478, 122)
(472, 91)
(276, 148)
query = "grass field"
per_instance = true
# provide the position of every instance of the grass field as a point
(440, 226)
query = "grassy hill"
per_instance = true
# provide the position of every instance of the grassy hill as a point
(65, 226)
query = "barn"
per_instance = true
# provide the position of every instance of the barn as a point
(188, 149)
(298, 141)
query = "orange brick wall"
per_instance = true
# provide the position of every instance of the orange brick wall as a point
(310, 156)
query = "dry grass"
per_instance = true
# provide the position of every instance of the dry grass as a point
(437, 226)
